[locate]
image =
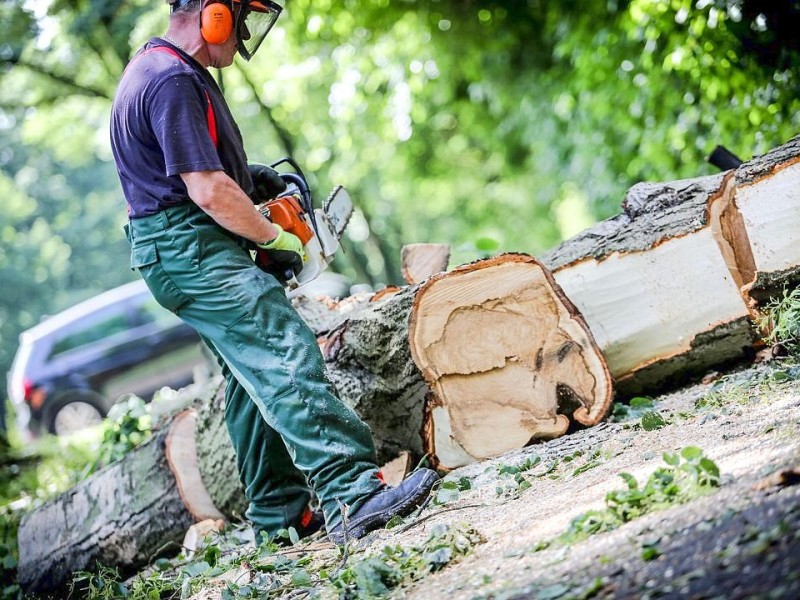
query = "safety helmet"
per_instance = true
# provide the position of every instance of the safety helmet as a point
(250, 20)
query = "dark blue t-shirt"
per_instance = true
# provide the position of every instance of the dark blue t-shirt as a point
(160, 128)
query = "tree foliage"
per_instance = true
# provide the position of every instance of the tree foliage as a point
(486, 124)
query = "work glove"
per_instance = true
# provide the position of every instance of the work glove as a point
(267, 183)
(286, 250)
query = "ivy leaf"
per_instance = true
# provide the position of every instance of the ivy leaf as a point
(293, 536)
(196, 569)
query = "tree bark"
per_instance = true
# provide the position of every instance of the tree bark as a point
(130, 512)
(120, 516)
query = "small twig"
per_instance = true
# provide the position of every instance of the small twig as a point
(419, 520)
(343, 508)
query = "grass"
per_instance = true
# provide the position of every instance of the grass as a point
(781, 321)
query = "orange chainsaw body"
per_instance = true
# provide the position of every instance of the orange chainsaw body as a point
(289, 215)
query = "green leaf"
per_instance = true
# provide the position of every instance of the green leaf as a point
(780, 376)
(195, 569)
(445, 495)
(294, 537)
(395, 521)
(551, 592)
(641, 402)
(692, 453)
(162, 564)
(652, 421)
(630, 480)
(211, 555)
(650, 552)
(301, 578)
(487, 244)
(464, 484)
(671, 458)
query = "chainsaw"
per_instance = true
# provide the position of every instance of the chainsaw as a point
(319, 229)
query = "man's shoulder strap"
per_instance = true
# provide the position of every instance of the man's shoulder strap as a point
(211, 117)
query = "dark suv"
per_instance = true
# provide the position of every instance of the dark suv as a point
(72, 367)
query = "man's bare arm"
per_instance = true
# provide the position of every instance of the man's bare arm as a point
(224, 201)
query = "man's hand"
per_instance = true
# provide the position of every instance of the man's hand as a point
(267, 184)
(285, 250)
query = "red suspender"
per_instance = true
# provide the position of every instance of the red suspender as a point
(211, 117)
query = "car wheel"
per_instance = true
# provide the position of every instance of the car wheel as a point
(74, 412)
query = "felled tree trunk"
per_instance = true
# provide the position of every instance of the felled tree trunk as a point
(654, 285)
(121, 515)
(767, 196)
(126, 514)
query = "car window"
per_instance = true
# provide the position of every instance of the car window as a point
(111, 326)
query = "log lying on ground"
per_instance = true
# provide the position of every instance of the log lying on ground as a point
(121, 515)
(370, 362)
(508, 358)
(126, 514)
(420, 261)
(654, 285)
(767, 196)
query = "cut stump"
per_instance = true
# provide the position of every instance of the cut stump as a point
(508, 358)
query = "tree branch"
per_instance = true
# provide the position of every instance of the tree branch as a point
(84, 90)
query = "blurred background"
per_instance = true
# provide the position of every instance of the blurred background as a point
(485, 124)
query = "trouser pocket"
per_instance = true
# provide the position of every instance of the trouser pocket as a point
(145, 259)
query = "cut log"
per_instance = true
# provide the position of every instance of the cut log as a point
(181, 453)
(508, 358)
(420, 261)
(658, 285)
(768, 197)
(126, 514)
(120, 516)
(396, 469)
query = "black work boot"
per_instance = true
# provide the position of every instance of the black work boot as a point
(384, 504)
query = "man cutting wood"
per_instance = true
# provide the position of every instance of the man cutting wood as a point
(190, 194)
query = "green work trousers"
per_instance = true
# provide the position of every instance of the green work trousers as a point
(290, 432)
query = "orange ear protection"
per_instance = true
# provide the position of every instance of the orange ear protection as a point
(216, 22)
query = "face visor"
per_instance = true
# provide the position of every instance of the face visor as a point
(253, 21)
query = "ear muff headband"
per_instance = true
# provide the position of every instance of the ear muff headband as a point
(216, 22)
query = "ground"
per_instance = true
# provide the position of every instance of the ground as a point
(740, 540)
